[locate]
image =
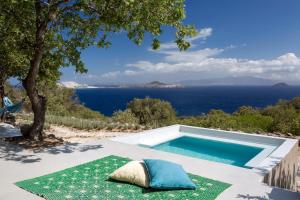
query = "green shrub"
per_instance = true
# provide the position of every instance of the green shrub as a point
(251, 120)
(125, 116)
(286, 121)
(285, 115)
(219, 119)
(295, 126)
(152, 112)
(246, 110)
(80, 111)
(191, 121)
(253, 123)
(295, 103)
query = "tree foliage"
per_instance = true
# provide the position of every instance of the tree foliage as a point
(74, 25)
(39, 37)
(12, 59)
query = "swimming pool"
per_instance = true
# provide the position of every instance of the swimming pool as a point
(225, 147)
(213, 150)
(228, 154)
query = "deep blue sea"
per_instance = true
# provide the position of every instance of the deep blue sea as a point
(190, 100)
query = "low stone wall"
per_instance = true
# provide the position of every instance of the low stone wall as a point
(284, 174)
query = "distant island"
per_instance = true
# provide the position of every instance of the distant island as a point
(281, 84)
(74, 85)
(158, 84)
(153, 84)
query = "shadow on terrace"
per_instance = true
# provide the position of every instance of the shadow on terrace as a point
(13, 152)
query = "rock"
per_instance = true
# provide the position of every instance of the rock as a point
(289, 134)
(51, 136)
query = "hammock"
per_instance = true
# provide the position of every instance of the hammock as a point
(15, 107)
(10, 107)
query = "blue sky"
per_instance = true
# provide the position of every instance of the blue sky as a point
(258, 38)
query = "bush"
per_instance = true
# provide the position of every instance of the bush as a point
(286, 121)
(80, 111)
(218, 119)
(152, 112)
(250, 119)
(125, 116)
(295, 103)
(246, 110)
(285, 115)
(253, 123)
(191, 121)
(241, 121)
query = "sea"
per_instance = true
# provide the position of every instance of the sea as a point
(188, 101)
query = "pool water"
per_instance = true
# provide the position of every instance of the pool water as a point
(213, 150)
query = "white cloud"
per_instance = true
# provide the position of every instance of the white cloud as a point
(111, 75)
(165, 46)
(202, 34)
(192, 56)
(209, 61)
(130, 72)
(285, 66)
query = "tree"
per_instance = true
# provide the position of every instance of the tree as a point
(51, 34)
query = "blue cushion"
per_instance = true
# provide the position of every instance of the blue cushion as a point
(167, 175)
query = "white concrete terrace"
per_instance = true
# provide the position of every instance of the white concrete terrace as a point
(17, 164)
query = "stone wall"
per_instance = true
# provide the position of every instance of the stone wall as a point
(284, 174)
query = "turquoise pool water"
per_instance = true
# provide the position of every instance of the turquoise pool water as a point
(213, 150)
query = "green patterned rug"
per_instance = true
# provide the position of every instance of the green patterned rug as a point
(90, 181)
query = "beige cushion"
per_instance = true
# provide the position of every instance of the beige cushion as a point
(133, 172)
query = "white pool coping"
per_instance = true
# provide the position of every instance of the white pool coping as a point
(275, 148)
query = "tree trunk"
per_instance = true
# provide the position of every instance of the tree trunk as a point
(38, 105)
(2, 92)
(3, 79)
(38, 102)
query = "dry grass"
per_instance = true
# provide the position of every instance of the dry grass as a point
(83, 124)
